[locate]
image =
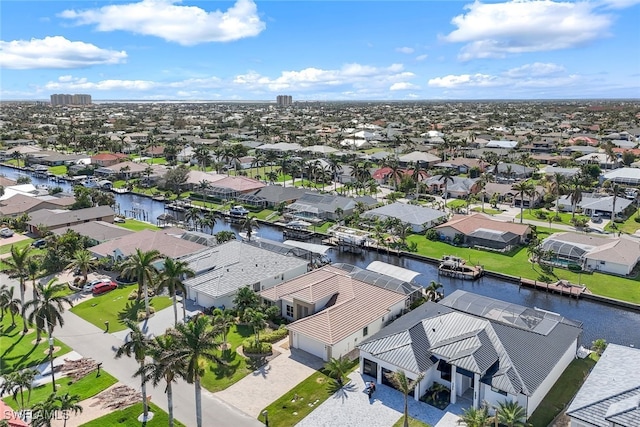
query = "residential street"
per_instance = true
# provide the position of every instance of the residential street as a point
(92, 342)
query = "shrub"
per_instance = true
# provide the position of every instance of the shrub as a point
(432, 234)
(540, 214)
(249, 346)
(142, 315)
(637, 219)
(133, 295)
(275, 336)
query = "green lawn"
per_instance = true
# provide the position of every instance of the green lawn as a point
(263, 214)
(324, 227)
(5, 249)
(219, 377)
(17, 351)
(135, 225)
(317, 387)
(58, 170)
(412, 423)
(516, 263)
(128, 417)
(565, 218)
(630, 226)
(115, 307)
(85, 387)
(457, 204)
(563, 391)
(488, 211)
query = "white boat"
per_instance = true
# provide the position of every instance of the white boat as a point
(238, 211)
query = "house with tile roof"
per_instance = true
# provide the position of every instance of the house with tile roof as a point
(480, 348)
(52, 219)
(614, 255)
(479, 231)
(336, 307)
(610, 397)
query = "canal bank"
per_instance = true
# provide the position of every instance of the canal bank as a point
(614, 323)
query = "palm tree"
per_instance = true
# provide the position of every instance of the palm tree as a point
(338, 368)
(68, 403)
(556, 185)
(445, 177)
(137, 345)
(575, 194)
(84, 262)
(257, 319)
(46, 313)
(195, 345)
(522, 189)
(224, 236)
(16, 382)
(171, 278)
(417, 175)
(222, 322)
(17, 264)
(472, 417)
(164, 367)
(511, 414)
(599, 346)
(191, 216)
(249, 224)
(42, 410)
(9, 303)
(433, 291)
(405, 386)
(141, 267)
(34, 268)
(204, 186)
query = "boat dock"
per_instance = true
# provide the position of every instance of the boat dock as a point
(561, 287)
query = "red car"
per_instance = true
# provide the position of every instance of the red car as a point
(103, 287)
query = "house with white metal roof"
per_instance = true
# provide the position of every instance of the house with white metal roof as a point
(483, 349)
(610, 397)
(419, 217)
(222, 270)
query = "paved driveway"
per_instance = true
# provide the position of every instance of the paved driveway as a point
(262, 387)
(352, 407)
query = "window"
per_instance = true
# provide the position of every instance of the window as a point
(365, 331)
(289, 311)
(497, 390)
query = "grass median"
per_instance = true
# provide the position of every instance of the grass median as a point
(115, 307)
(128, 417)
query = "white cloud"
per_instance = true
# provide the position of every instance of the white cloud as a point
(421, 57)
(186, 25)
(407, 50)
(357, 75)
(499, 29)
(403, 86)
(536, 75)
(55, 52)
(82, 83)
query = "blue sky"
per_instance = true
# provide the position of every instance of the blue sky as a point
(320, 50)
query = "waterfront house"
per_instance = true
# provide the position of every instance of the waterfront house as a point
(479, 231)
(96, 231)
(610, 396)
(321, 207)
(597, 204)
(19, 204)
(222, 270)
(52, 219)
(615, 255)
(418, 217)
(335, 307)
(271, 196)
(480, 348)
(107, 159)
(457, 186)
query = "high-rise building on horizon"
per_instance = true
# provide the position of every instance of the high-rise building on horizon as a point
(67, 99)
(284, 100)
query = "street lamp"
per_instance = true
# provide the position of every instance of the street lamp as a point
(265, 413)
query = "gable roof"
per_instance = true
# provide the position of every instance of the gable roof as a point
(166, 241)
(57, 217)
(412, 214)
(96, 230)
(467, 224)
(495, 339)
(612, 390)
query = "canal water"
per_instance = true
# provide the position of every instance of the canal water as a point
(614, 324)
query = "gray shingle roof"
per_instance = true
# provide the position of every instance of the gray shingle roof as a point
(523, 350)
(54, 218)
(412, 214)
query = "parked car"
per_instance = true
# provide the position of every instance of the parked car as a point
(6, 232)
(92, 284)
(119, 219)
(596, 219)
(103, 287)
(40, 243)
(192, 315)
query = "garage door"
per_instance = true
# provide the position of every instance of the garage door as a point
(311, 346)
(370, 368)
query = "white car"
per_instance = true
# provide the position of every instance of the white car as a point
(119, 219)
(89, 286)
(6, 232)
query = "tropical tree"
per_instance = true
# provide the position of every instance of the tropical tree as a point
(137, 345)
(204, 186)
(257, 319)
(556, 185)
(84, 262)
(405, 386)
(41, 411)
(222, 321)
(522, 189)
(195, 345)
(338, 367)
(434, 292)
(224, 236)
(418, 174)
(8, 303)
(446, 177)
(46, 313)
(511, 414)
(141, 266)
(191, 216)
(171, 279)
(17, 269)
(599, 346)
(245, 298)
(17, 382)
(475, 417)
(249, 224)
(69, 403)
(164, 367)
